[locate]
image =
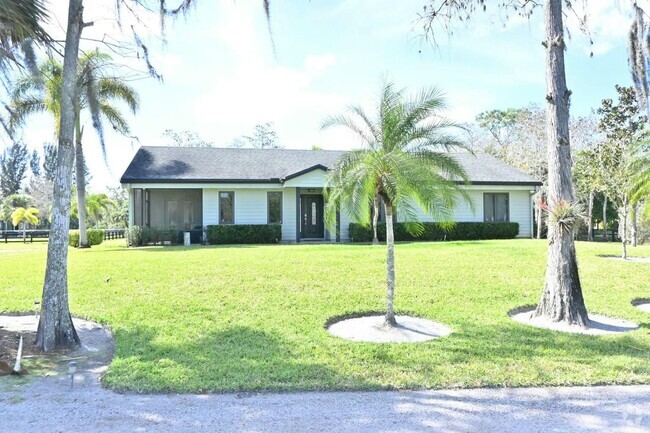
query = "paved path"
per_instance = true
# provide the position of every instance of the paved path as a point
(50, 405)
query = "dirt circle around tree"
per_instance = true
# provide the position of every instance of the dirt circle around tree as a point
(371, 329)
(629, 259)
(642, 304)
(92, 357)
(598, 324)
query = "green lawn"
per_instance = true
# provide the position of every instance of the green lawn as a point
(251, 317)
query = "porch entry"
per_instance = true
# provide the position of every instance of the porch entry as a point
(311, 217)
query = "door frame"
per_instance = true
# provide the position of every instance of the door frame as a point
(320, 222)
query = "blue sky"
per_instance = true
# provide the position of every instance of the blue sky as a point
(222, 77)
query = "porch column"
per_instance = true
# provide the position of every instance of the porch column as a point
(338, 223)
(298, 215)
(131, 207)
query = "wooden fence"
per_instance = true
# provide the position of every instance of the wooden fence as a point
(30, 235)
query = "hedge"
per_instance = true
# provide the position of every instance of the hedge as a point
(244, 234)
(463, 231)
(95, 237)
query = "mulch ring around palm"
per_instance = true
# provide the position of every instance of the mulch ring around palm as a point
(642, 304)
(598, 324)
(96, 349)
(9, 341)
(370, 327)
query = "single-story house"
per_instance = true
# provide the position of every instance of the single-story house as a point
(188, 188)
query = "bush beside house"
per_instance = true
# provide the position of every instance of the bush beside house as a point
(463, 231)
(95, 237)
(244, 234)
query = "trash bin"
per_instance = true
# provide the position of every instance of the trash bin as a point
(186, 239)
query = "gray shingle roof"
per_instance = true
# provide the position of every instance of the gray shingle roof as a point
(214, 165)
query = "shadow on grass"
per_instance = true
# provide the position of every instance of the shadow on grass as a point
(522, 342)
(235, 359)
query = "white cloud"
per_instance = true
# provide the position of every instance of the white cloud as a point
(256, 89)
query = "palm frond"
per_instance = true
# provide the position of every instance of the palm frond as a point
(346, 121)
(21, 109)
(115, 118)
(114, 89)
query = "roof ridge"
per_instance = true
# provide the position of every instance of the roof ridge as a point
(239, 148)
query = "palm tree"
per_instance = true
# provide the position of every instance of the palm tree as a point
(20, 23)
(96, 206)
(97, 89)
(24, 216)
(402, 163)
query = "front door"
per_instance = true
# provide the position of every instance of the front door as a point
(311, 225)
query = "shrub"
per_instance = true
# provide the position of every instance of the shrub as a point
(74, 239)
(155, 235)
(95, 237)
(463, 231)
(133, 236)
(245, 234)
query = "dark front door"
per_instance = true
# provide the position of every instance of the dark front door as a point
(311, 225)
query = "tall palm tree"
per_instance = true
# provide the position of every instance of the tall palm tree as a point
(97, 89)
(24, 216)
(402, 161)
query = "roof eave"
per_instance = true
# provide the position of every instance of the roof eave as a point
(144, 180)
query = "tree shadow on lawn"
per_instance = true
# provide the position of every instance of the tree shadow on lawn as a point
(238, 358)
(521, 342)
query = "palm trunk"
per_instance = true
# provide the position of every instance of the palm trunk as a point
(605, 234)
(634, 224)
(375, 220)
(540, 222)
(389, 320)
(55, 327)
(590, 224)
(24, 232)
(81, 183)
(623, 214)
(562, 295)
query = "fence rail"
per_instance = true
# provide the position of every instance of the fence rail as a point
(30, 235)
(114, 234)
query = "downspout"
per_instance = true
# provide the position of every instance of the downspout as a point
(532, 211)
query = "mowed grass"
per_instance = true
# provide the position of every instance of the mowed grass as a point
(251, 317)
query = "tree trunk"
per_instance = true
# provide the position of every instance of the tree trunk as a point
(81, 183)
(623, 215)
(55, 328)
(605, 235)
(390, 321)
(24, 232)
(634, 224)
(540, 216)
(590, 223)
(562, 295)
(375, 219)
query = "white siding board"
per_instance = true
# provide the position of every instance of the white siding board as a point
(289, 215)
(210, 207)
(312, 179)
